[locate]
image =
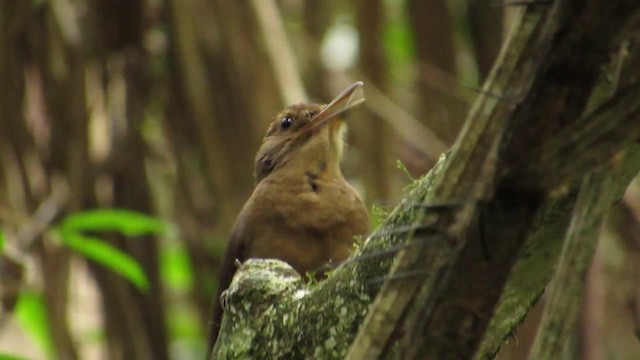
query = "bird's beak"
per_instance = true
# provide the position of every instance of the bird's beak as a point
(349, 98)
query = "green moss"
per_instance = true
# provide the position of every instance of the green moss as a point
(531, 273)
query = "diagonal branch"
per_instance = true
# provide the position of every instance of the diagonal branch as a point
(597, 193)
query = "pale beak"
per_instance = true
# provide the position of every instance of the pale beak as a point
(349, 98)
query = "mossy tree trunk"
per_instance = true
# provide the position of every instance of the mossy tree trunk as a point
(467, 252)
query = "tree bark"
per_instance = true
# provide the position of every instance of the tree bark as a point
(565, 294)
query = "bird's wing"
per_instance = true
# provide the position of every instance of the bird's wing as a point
(235, 250)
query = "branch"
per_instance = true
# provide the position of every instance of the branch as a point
(597, 193)
(587, 143)
(532, 272)
(408, 128)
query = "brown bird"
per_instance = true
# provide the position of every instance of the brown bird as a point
(302, 210)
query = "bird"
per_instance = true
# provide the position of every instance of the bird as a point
(302, 210)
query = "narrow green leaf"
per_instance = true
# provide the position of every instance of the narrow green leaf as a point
(175, 268)
(127, 222)
(107, 255)
(32, 316)
(183, 323)
(398, 41)
(4, 356)
(3, 241)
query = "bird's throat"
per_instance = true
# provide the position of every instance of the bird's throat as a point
(321, 156)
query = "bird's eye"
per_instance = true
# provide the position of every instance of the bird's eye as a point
(286, 122)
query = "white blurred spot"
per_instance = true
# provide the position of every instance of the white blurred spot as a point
(340, 47)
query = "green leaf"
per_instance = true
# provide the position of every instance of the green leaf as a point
(398, 41)
(32, 316)
(377, 215)
(183, 322)
(3, 240)
(107, 255)
(127, 222)
(175, 268)
(4, 356)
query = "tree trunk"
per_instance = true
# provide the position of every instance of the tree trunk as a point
(373, 136)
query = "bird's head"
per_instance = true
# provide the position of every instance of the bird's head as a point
(307, 136)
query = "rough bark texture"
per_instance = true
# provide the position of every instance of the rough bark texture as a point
(565, 293)
(492, 192)
(541, 252)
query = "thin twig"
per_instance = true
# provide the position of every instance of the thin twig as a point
(399, 276)
(390, 251)
(45, 215)
(408, 128)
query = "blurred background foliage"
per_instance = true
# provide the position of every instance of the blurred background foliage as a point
(127, 135)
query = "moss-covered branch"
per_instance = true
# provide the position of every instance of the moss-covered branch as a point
(538, 258)
(597, 193)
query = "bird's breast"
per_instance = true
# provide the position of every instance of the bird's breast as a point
(304, 224)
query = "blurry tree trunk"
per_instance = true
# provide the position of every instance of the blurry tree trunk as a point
(63, 46)
(195, 205)
(316, 15)
(252, 84)
(132, 191)
(204, 104)
(14, 138)
(217, 94)
(18, 152)
(373, 136)
(432, 28)
(195, 99)
(134, 320)
(280, 57)
(486, 19)
(58, 48)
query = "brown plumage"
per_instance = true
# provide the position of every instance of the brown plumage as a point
(302, 210)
